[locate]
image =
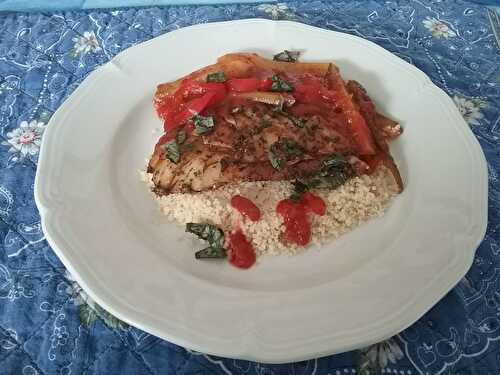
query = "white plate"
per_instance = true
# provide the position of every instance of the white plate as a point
(369, 285)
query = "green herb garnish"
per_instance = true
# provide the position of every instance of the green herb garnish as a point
(180, 137)
(298, 122)
(291, 148)
(203, 124)
(210, 253)
(172, 151)
(213, 235)
(216, 77)
(335, 161)
(279, 85)
(287, 56)
(334, 172)
(276, 162)
(299, 188)
(282, 151)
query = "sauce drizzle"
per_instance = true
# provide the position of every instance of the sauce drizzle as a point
(246, 207)
(295, 217)
(241, 252)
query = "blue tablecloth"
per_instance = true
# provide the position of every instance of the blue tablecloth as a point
(33, 5)
(48, 325)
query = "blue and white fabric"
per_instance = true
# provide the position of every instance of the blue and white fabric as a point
(49, 325)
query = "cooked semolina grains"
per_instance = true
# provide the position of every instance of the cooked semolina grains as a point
(358, 200)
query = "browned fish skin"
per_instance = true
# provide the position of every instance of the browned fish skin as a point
(238, 151)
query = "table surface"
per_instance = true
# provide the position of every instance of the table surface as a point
(48, 325)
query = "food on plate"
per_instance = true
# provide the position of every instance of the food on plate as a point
(265, 156)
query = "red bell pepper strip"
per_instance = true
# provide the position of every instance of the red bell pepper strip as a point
(249, 84)
(266, 84)
(313, 92)
(243, 84)
(191, 108)
(193, 89)
(361, 133)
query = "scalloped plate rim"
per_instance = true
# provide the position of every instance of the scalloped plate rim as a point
(127, 313)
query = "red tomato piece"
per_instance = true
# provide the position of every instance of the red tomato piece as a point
(246, 207)
(193, 108)
(195, 89)
(200, 95)
(265, 84)
(243, 84)
(167, 106)
(162, 108)
(249, 84)
(219, 89)
(307, 93)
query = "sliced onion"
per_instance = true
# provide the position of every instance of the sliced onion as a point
(271, 98)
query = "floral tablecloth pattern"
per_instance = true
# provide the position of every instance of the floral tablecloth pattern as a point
(48, 324)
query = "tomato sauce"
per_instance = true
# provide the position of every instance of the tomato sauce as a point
(241, 252)
(313, 95)
(295, 217)
(246, 207)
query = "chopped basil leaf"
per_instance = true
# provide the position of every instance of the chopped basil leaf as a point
(299, 188)
(213, 235)
(335, 178)
(216, 77)
(276, 162)
(180, 137)
(298, 122)
(291, 147)
(287, 56)
(208, 232)
(203, 124)
(279, 85)
(335, 161)
(210, 253)
(283, 150)
(172, 151)
(334, 172)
